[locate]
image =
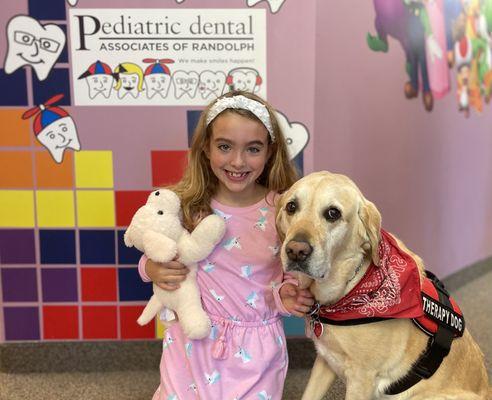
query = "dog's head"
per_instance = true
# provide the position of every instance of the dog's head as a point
(325, 223)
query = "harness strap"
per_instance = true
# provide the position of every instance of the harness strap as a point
(438, 347)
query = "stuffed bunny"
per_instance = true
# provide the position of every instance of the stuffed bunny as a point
(156, 229)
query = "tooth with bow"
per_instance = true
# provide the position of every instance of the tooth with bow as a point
(30, 43)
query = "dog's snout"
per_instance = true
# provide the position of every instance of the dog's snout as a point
(298, 250)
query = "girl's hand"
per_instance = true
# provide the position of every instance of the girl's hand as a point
(296, 301)
(166, 275)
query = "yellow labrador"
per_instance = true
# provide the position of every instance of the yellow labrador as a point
(331, 235)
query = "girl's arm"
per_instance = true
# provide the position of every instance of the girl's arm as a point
(165, 275)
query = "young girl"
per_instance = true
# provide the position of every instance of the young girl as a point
(237, 164)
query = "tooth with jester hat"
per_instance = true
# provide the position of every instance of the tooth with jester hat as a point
(54, 128)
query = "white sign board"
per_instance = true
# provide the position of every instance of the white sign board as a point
(166, 56)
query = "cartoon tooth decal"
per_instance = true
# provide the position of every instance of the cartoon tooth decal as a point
(30, 43)
(274, 4)
(130, 80)
(100, 79)
(157, 77)
(185, 83)
(211, 84)
(54, 128)
(212, 378)
(296, 134)
(246, 79)
(243, 355)
(73, 3)
(251, 299)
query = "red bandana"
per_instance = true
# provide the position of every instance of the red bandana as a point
(391, 290)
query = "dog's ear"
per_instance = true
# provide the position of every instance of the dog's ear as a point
(371, 219)
(279, 218)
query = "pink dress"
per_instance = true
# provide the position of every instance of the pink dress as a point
(245, 356)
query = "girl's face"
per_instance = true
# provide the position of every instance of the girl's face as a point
(238, 152)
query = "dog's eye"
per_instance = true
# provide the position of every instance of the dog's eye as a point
(291, 207)
(332, 214)
(160, 212)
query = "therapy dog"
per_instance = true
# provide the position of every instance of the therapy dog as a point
(375, 324)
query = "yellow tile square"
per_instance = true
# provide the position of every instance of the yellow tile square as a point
(95, 208)
(55, 208)
(94, 169)
(17, 208)
(159, 327)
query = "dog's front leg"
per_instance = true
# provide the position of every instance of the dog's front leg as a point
(360, 385)
(320, 380)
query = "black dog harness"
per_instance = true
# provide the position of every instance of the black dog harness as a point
(441, 320)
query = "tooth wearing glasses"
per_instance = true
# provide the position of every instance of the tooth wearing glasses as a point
(30, 43)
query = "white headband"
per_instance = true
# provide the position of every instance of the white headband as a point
(242, 102)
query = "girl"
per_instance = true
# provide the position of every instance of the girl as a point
(238, 162)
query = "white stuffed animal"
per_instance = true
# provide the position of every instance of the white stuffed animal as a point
(156, 229)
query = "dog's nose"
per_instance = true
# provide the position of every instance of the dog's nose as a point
(298, 250)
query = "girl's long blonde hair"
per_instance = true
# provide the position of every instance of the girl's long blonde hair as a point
(199, 184)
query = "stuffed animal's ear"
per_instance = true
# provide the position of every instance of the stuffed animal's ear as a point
(371, 219)
(128, 241)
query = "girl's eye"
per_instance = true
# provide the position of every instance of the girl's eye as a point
(224, 147)
(254, 150)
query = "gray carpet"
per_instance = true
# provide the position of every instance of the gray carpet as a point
(470, 288)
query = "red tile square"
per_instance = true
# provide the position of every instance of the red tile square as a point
(60, 322)
(127, 202)
(130, 329)
(99, 284)
(168, 166)
(99, 322)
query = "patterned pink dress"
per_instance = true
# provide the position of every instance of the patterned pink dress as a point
(245, 356)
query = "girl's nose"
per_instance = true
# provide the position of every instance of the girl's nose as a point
(238, 160)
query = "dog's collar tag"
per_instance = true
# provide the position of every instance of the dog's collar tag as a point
(315, 325)
(317, 328)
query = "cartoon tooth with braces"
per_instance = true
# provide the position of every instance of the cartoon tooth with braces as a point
(185, 83)
(245, 79)
(100, 79)
(54, 128)
(157, 77)
(211, 84)
(30, 43)
(130, 80)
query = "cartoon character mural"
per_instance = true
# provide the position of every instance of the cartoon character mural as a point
(130, 80)
(157, 77)
(100, 79)
(211, 84)
(185, 83)
(54, 128)
(429, 29)
(30, 43)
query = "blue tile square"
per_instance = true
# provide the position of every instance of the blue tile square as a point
(97, 247)
(131, 286)
(57, 82)
(59, 284)
(64, 54)
(294, 326)
(14, 88)
(299, 163)
(192, 117)
(127, 255)
(47, 9)
(57, 246)
(19, 284)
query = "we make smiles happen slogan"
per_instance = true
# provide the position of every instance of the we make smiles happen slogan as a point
(166, 56)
